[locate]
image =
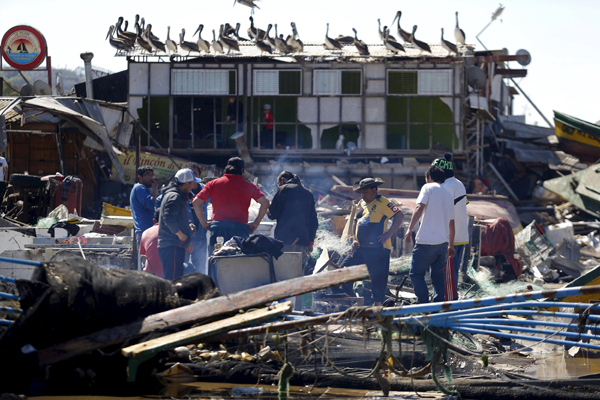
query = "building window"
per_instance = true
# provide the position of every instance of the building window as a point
(203, 82)
(419, 122)
(337, 82)
(277, 82)
(436, 82)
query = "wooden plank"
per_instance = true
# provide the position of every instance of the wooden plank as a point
(338, 180)
(347, 233)
(331, 193)
(194, 334)
(200, 310)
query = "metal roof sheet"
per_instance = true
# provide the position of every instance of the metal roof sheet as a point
(314, 51)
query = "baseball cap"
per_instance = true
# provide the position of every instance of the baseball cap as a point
(267, 107)
(236, 162)
(186, 175)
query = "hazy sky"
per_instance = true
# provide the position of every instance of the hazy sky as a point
(559, 34)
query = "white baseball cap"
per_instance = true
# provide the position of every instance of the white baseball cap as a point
(267, 107)
(186, 175)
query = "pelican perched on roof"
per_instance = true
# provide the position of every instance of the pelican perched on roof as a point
(217, 45)
(262, 45)
(116, 43)
(294, 41)
(267, 39)
(145, 31)
(143, 43)
(280, 44)
(155, 43)
(123, 33)
(227, 42)
(361, 46)
(401, 32)
(171, 45)
(345, 39)
(187, 46)
(391, 45)
(390, 37)
(202, 44)
(228, 30)
(128, 40)
(449, 46)
(237, 34)
(255, 32)
(418, 44)
(459, 34)
(330, 43)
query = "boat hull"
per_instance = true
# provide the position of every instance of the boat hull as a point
(581, 144)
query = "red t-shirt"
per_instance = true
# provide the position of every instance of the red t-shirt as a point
(268, 117)
(149, 248)
(230, 195)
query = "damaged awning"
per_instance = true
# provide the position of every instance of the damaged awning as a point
(73, 111)
(582, 189)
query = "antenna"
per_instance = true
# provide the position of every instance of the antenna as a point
(41, 88)
(523, 57)
(27, 90)
(476, 78)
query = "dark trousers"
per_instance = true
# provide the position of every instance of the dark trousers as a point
(172, 258)
(266, 138)
(378, 264)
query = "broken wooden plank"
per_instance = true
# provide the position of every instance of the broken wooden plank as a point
(338, 181)
(347, 229)
(200, 310)
(144, 351)
(330, 192)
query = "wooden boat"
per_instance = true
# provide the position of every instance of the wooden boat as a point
(577, 137)
(591, 278)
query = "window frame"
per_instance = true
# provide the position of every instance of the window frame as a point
(420, 73)
(256, 71)
(205, 73)
(340, 83)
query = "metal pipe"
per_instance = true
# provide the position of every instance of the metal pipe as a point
(8, 279)
(572, 335)
(18, 261)
(527, 313)
(11, 310)
(5, 322)
(488, 301)
(529, 322)
(87, 62)
(528, 338)
(8, 296)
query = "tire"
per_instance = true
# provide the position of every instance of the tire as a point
(464, 343)
(26, 181)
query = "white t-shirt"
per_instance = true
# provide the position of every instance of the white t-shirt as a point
(3, 164)
(439, 210)
(461, 219)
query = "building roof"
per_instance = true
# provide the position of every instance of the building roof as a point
(315, 52)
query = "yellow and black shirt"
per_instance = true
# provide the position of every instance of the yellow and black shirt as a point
(373, 221)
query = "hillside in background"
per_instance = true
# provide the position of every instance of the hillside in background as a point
(13, 81)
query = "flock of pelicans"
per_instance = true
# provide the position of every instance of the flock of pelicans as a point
(229, 39)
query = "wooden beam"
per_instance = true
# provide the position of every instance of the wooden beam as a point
(144, 351)
(338, 180)
(331, 193)
(203, 309)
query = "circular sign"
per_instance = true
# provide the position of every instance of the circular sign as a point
(23, 47)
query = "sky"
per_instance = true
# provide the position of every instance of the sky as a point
(559, 34)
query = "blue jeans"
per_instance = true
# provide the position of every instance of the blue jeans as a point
(378, 265)
(198, 256)
(425, 257)
(458, 259)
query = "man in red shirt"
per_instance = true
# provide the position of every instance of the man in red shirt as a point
(149, 248)
(230, 195)
(266, 137)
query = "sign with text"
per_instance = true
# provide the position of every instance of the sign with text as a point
(23, 47)
(164, 167)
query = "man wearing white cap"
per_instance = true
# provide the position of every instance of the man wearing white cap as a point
(174, 228)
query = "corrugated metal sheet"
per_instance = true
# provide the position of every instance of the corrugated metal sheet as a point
(315, 51)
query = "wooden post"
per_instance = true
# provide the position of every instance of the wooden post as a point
(203, 309)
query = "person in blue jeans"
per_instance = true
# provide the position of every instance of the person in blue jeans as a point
(198, 256)
(434, 242)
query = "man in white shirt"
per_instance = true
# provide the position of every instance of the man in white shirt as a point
(434, 242)
(4, 169)
(461, 219)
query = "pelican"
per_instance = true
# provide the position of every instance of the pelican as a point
(128, 35)
(120, 36)
(392, 45)
(449, 46)
(262, 45)
(345, 39)
(254, 32)
(267, 39)
(187, 46)
(145, 32)
(171, 45)
(330, 43)
(237, 33)
(227, 42)
(459, 34)
(390, 37)
(401, 32)
(155, 43)
(202, 44)
(228, 30)
(247, 3)
(418, 44)
(294, 42)
(143, 44)
(360, 45)
(280, 44)
(217, 45)
(116, 43)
